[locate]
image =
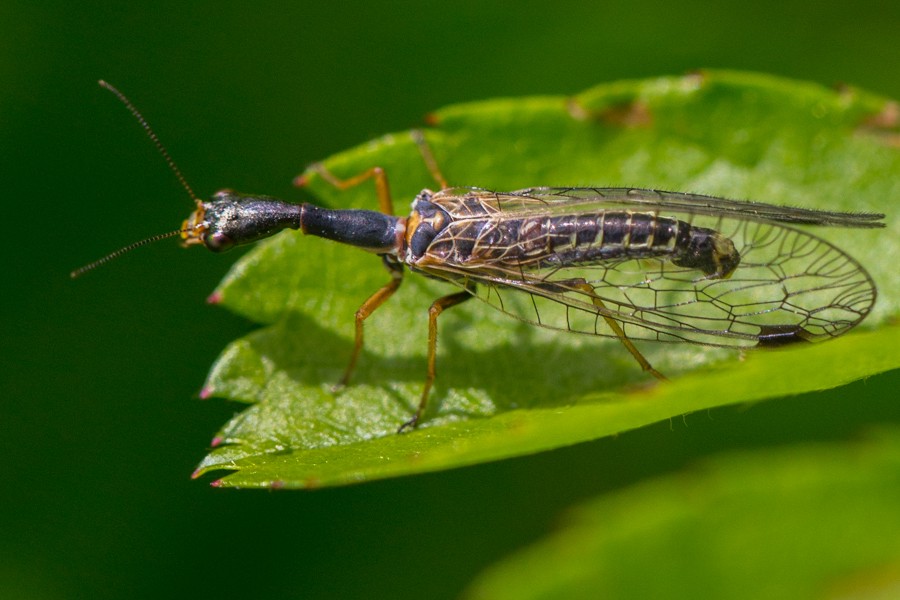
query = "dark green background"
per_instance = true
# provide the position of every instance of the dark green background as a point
(100, 422)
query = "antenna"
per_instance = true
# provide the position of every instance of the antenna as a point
(121, 251)
(162, 150)
(151, 135)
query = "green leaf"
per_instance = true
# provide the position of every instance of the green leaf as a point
(505, 388)
(816, 521)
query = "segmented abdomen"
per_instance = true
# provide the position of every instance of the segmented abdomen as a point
(541, 241)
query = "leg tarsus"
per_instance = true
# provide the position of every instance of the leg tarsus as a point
(410, 424)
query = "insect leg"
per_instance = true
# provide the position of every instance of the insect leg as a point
(368, 307)
(377, 173)
(418, 137)
(583, 285)
(434, 312)
(382, 189)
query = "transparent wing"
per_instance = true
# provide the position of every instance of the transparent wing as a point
(790, 284)
(575, 200)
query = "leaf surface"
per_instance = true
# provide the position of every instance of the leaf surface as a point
(813, 521)
(505, 388)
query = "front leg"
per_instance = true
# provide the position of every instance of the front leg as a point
(385, 203)
(368, 307)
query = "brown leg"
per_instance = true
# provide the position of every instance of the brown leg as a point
(617, 329)
(367, 308)
(434, 312)
(385, 202)
(418, 137)
(377, 173)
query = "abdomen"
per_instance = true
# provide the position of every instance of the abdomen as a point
(542, 241)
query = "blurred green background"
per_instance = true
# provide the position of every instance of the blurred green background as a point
(101, 425)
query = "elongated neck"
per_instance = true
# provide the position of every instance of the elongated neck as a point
(367, 229)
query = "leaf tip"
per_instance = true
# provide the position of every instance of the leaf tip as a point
(216, 442)
(206, 392)
(214, 298)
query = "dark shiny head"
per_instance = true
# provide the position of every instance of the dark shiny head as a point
(227, 220)
(231, 219)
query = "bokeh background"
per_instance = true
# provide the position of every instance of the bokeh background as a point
(100, 425)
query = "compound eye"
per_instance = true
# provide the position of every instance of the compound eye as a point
(218, 242)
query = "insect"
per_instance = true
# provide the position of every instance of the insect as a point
(634, 264)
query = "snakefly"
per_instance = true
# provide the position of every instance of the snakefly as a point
(634, 264)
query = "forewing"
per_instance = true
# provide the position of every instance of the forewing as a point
(564, 200)
(790, 284)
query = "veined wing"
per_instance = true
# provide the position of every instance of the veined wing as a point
(789, 285)
(579, 200)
